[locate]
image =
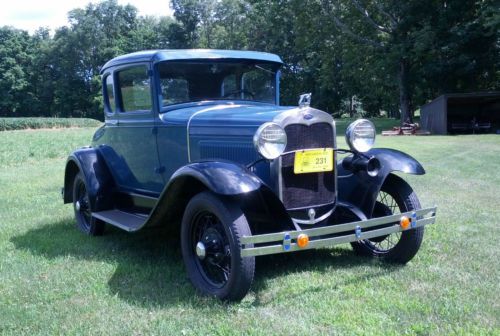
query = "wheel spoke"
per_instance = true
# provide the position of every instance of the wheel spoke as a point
(225, 271)
(393, 205)
(216, 266)
(387, 201)
(383, 197)
(83, 210)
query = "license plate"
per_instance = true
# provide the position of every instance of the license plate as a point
(313, 161)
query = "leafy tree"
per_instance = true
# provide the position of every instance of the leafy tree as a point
(153, 33)
(96, 34)
(190, 14)
(40, 98)
(15, 56)
(426, 47)
(353, 55)
(457, 49)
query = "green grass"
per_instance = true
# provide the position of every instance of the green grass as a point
(10, 124)
(55, 280)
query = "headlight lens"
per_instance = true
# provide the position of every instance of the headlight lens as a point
(360, 135)
(270, 140)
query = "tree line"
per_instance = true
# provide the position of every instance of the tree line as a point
(375, 57)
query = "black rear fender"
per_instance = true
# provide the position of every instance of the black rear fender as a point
(100, 183)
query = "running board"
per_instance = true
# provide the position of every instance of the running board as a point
(124, 220)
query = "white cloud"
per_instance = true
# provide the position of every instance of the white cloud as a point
(32, 14)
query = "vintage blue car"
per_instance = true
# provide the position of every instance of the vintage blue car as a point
(197, 140)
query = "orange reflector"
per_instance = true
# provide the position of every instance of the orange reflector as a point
(405, 222)
(302, 240)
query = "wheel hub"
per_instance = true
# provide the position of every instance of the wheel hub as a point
(212, 240)
(210, 246)
(211, 250)
(201, 251)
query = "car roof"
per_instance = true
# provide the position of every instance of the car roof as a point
(189, 54)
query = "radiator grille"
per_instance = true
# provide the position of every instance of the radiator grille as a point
(241, 152)
(312, 189)
(301, 136)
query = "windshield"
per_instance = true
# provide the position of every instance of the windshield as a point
(183, 82)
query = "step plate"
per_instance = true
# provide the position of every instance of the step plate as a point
(124, 220)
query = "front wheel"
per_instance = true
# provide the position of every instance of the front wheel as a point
(211, 248)
(396, 196)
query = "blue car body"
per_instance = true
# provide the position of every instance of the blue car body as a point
(154, 153)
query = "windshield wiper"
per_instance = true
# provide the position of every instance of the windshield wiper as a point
(264, 69)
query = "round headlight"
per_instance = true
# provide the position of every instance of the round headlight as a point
(360, 135)
(270, 140)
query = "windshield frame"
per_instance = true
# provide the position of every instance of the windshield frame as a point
(165, 108)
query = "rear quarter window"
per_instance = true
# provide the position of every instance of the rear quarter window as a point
(110, 94)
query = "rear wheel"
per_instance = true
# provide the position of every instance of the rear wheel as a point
(396, 196)
(211, 248)
(82, 207)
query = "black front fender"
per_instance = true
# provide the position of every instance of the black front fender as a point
(394, 160)
(226, 179)
(361, 189)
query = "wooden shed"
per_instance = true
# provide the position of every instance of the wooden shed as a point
(453, 113)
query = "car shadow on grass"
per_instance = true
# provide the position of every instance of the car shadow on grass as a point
(149, 269)
(358, 270)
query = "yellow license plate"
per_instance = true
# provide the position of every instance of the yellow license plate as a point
(313, 161)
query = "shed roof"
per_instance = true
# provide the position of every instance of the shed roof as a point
(473, 97)
(190, 54)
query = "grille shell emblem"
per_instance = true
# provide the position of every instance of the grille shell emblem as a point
(308, 116)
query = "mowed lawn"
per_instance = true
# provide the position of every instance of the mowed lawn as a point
(55, 280)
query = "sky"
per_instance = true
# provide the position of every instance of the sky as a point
(32, 14)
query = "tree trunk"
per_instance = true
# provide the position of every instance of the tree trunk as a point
(404, 94)
(351, 107)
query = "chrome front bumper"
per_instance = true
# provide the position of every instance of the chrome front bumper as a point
(283, 242)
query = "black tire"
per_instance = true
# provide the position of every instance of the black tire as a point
(218, 226)
(396, 196)
(83, 212)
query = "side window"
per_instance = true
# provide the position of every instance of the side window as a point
(110, 94)
(135, 90)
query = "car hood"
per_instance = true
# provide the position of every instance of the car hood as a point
(225, 130)
(223, 115)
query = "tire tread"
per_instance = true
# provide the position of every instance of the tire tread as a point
(242, 276)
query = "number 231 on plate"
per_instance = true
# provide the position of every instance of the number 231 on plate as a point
(313, 161)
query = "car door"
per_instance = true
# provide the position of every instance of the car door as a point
(131, 152)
